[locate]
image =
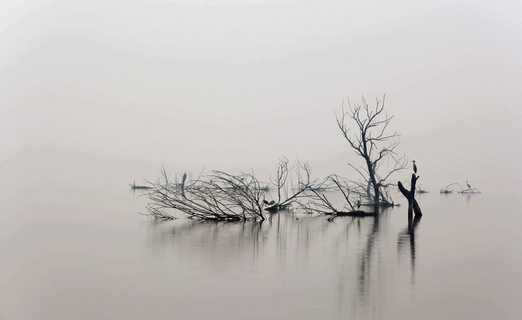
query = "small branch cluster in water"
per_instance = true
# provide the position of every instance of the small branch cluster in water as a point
(458, 188)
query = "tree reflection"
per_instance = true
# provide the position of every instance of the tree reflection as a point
(303, 247)
(407, 240)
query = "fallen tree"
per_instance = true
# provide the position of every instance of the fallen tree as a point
(221, 196)
(218, 196)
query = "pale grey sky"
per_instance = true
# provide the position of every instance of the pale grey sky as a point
(236, 84)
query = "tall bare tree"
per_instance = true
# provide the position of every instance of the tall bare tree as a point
(366, 129)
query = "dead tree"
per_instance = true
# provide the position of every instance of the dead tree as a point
(413, 205)
(365, 128)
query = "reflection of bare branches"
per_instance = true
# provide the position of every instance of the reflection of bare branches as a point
(291, 242)
(407, 237)
(217, 239)
(366, 259)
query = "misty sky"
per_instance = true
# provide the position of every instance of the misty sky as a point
(237, 84)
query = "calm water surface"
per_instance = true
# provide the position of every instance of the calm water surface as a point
(74, 247)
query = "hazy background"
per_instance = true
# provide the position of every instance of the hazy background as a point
(237, 84)
(94, 94)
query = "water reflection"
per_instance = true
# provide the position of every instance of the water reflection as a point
(366, 257)
(350, 255)
(407, 240)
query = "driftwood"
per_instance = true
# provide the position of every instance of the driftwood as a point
(469, 190)
(382, 204)
(135, 186)
(353, 213)
(276, 207)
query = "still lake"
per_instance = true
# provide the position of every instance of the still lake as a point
(74, 246)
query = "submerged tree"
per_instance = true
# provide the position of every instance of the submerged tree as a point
(366, 129)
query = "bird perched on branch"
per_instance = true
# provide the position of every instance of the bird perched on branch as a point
(414, 167)
(469, 185)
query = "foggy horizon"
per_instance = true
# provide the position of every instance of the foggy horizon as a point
(86, 77)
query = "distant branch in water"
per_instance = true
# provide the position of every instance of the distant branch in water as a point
(452, 187)
(469, 189)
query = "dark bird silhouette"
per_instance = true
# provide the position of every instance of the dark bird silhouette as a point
(358, 204)
(266, 202)
(414, 167)
(469, 185)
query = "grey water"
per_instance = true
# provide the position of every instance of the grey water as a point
(74, 245)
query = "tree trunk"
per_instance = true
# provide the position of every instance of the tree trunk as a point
(373, 181)
(413, 205)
